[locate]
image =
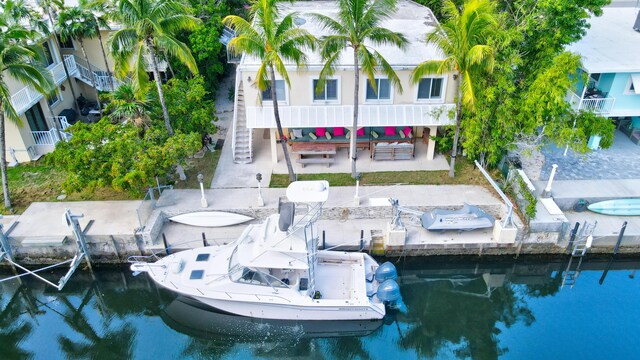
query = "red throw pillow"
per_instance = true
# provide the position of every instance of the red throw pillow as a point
(338, 131)
(407, 131)
(360, 132)
(320, 132)
(389, 131)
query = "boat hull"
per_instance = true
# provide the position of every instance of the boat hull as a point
(210, 219)
(317, 311)
(617, 207)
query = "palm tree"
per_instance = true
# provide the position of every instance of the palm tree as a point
(151, 26)
(356, 28)
(22, 13)
(48, 6)
(276, 42)
(130, 105)
(79, 23)
(463, 40)
(17, 61)
(100, 12)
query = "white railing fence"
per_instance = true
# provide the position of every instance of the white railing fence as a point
(596, 105)
(162, 63)
(51, 137)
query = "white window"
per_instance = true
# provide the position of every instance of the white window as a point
(329, 93)
(430, 88)
(280, 92)
(54, 99)
(633, 85)
(382, 91)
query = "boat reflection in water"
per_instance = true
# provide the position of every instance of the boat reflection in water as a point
(193, 318)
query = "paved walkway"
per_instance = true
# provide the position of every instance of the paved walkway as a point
(620, 161)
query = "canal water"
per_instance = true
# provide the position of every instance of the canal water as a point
(515, 309)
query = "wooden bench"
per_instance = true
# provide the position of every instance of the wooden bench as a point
(316, 160)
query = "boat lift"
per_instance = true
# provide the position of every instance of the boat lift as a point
(81, 254)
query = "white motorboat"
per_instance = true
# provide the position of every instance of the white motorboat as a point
(274, 270)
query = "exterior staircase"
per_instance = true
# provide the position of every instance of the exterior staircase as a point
(101, 77)
(242, 136)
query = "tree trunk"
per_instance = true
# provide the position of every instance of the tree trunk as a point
(454, 149)
(106, 64)
(165, 111)
(3, 161)
(64, 64)
(354, 129)
(156, 75)
(93, 78)
(276, 115)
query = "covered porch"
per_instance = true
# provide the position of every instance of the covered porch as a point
(421, 161)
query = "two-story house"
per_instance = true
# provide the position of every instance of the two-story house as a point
(44, 119)
(610, 53)
(388, 118)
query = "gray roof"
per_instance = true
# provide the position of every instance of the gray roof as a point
(411, 19)
(610, 45)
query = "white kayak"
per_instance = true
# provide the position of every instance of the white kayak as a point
(210, 218)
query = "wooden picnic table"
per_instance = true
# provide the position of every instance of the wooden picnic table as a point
(314, 153)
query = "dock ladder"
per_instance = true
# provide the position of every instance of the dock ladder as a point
(578, 251)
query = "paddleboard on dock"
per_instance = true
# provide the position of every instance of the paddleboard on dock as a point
(617, 207)
(210, 218)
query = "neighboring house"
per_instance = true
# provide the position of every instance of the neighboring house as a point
(40, 130)
(417, 112)
(610, 53)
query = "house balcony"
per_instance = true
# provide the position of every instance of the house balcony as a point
(26, 97)
(52, 136)
(594, 101)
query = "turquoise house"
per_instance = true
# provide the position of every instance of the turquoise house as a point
(610, 53)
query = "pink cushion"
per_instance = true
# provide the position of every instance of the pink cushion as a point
(360, 132)
(389, 131)
(407, 131)
(338, 131)
(320, 132)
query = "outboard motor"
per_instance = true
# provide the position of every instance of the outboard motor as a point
(386, 271)
(389, 294)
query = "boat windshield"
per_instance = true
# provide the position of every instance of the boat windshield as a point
(249, 275)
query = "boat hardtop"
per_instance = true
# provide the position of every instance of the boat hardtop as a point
(274, 270)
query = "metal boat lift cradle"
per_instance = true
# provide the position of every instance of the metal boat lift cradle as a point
(81, 254)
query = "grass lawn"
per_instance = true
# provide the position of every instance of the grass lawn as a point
(36, 181)
(466, 174)
(206, 165)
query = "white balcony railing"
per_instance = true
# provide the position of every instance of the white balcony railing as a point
(28, 96)
(595, 105)
(51, 137)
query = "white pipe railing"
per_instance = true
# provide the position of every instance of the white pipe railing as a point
(50, 137)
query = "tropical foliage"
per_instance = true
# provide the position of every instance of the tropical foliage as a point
(464, 40)
(150, 27)
(117, 155)
(358, 27)
(189, 106)
(523, 101)
(276, 43)
(19, 55)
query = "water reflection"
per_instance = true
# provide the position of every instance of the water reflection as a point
(454, 310)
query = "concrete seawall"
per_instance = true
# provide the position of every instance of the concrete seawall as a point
(115, 230)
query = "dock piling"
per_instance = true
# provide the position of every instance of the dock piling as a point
(167, 249)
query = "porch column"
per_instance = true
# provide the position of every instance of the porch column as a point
(274, 145)
(431, 144)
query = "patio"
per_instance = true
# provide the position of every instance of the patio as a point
(244, 175)
(620, 161)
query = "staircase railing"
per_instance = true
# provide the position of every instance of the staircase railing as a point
(100, 77)
(235, 114)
